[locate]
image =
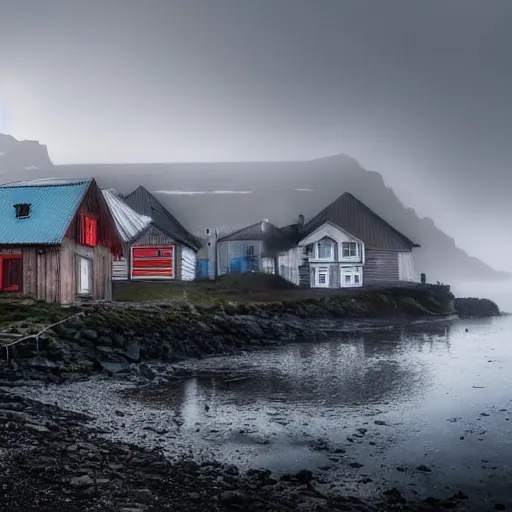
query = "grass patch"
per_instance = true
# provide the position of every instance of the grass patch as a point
(247, 287)
(30, 312)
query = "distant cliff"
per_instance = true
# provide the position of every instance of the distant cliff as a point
(19, 156)
(279, 191)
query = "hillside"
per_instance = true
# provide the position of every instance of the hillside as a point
(279, 191)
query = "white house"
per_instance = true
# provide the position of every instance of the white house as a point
(348, 245)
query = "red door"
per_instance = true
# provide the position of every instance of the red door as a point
(153, 262)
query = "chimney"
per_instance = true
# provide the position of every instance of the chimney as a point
(300, 220)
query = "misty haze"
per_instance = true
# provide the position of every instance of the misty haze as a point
(255, 255)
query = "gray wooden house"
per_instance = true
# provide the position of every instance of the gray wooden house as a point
(346, 245)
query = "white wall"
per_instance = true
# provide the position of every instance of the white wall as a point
(339, 236)
(406, 270)
(120, 270)
(188, 264)
(289, 263)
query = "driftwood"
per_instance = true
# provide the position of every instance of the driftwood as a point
(36, 336)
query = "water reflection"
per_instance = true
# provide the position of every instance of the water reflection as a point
(372, 368)
(428, 383)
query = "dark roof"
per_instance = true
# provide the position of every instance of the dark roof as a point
(293, 233)
(274, 238)
(354, 217)
(259, 231)
(144, 203)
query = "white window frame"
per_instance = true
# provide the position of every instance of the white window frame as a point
(80, 289)
(350, 258)
(322, 270)
(351, 273)
(331, 252)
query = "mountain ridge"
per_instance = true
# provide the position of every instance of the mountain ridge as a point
(22, 155)
(279, 191)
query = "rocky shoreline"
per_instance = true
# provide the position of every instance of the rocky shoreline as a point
(51, 459)
(54, 459)
(113, 337)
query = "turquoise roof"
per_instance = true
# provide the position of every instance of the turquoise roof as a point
(54, 203)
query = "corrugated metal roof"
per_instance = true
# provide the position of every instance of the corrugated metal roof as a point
(350, 214)
(46, 182)
(128, 222)
(145, 203)
(53, 206)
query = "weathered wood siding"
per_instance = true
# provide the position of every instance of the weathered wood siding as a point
(41, 276)
(29, 271)
(29, 264)
(50, 272)
(94, 204)
(381, 266)
(49, 276)
(101, 258)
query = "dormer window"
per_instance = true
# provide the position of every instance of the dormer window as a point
(22, 210)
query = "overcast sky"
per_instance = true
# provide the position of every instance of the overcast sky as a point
(417, 90)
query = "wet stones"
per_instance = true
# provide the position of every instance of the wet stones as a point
(81, 481)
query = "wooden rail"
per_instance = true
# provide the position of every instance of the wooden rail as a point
(36, 336)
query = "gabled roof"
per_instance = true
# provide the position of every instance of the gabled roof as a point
(259, 231)
(353, 216)
(145, 203)
(129, 223)
(274, 237)
(53, 205)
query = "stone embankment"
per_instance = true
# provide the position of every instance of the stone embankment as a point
(113, 337)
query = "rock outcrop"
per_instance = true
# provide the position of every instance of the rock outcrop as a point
(21, 159)
(476, 308)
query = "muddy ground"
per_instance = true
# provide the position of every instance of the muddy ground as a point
(52, 459)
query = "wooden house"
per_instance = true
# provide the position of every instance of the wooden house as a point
(57, 240)
(346, 245)
(253, 248)
(157, 246)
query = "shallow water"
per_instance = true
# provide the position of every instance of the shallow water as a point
(431, 385)
(443, 390)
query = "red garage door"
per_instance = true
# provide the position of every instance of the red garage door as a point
(153, 262)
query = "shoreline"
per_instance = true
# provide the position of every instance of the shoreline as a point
(113, 337)
(126, 347)
(39, 440)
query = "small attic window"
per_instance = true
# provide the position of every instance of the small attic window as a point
(22, 210)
